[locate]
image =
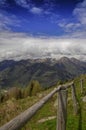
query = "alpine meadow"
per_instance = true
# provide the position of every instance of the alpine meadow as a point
(42, 64)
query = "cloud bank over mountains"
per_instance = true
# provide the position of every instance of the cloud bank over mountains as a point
(20, 46)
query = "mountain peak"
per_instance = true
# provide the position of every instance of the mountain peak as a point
(64, 59)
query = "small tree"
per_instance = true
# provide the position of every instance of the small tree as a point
(14, 92)
(36, 87)
(32, 89)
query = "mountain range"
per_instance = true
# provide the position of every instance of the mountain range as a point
(47, 71)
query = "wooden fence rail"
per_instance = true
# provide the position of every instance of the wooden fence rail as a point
(19, 121)
(62, 110)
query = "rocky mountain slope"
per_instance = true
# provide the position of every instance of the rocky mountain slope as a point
(46, 71)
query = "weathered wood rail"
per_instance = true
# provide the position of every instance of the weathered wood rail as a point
(19, 121)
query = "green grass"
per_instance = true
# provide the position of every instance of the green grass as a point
(74, 122)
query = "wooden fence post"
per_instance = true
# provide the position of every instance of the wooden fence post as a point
(81, 85)
(74, 97)
(62, 110)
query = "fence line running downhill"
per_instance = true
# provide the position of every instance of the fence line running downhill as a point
(19, 121)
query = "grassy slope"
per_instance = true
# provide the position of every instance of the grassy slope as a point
(12, 108)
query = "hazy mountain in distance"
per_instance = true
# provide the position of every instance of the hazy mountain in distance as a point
(46, 71)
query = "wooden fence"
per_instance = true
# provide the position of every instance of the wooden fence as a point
(19, 121)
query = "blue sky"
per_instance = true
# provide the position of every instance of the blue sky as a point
(41, 19)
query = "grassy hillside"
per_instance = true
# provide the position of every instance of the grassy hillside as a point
(13, 107)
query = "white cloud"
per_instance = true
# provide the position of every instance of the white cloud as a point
(69, 26)
(80, 12)
(76, 26)
(7, 20)
(36, 10)
(23, 3)
(20, 46)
